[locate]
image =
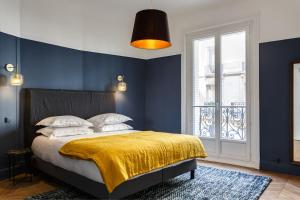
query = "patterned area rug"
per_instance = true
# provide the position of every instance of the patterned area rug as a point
(209, 184)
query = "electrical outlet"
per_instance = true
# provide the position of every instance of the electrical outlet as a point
(6, 120)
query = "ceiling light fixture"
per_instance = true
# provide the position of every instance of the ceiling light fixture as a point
(151, 30)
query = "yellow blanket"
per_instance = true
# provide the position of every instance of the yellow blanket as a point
(123, 156)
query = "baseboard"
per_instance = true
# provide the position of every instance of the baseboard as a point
(4, 173)
(249, 164)
(281, 167)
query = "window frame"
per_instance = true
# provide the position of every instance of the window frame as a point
(252, 79)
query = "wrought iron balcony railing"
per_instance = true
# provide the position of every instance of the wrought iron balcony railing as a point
(233, 122)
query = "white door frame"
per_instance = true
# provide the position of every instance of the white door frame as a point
(252, 81)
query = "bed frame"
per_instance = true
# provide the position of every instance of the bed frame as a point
(40, 103)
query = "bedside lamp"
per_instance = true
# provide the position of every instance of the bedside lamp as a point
(16, 79)
(122, 86)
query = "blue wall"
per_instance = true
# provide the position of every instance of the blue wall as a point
(9, 137)
(100, 72)
(53, 67)
(275, 68)
(163, 94)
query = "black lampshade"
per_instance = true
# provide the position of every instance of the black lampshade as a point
(151, 30)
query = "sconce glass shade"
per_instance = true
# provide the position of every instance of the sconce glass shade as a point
(151, 30)
(16, 79)
(122, 86)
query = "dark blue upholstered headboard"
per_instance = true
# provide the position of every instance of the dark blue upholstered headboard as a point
(41, 103)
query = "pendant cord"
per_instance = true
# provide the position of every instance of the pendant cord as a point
(151, 4)
(17, 55)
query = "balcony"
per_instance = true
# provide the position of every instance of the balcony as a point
(233, 122)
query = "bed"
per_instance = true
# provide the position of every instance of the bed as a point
(40, 103)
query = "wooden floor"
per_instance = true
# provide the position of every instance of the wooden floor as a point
(285, 187)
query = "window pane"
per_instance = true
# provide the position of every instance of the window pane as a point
(233, 86)
(204, 87)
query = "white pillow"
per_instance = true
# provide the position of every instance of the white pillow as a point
(64, 121)
(113, 127)
(61, 132)
(108, 118)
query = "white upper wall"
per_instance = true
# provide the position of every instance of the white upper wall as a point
(10, 17)
(278, 20)
(79, 24)
(105, 26)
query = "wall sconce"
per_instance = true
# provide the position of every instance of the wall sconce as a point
(122, 86)
(16, 79)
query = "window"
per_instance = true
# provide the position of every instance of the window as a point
(204, 87)
(219, 93)
(220, 68)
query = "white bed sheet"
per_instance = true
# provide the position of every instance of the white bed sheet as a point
(47, 149)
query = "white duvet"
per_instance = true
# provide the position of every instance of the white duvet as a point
(47, 149)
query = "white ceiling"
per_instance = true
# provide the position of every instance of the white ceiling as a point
(172, 7)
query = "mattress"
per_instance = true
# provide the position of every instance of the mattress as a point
(47, 149)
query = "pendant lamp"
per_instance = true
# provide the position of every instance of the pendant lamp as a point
(151, 30)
